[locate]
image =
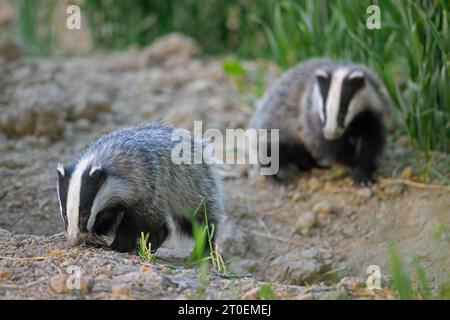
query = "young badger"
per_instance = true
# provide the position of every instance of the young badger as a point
(327, 112)
(126, 183)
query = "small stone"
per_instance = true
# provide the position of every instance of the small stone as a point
(145, 269)
(252, 294)
(5, 276)
(298, 267)
(299, 196)
(407, 173)
(323, 208)
(86, 284)
(364, 193)
(306, 220)
(166, 270)
(121, 289)
(314, 184)
(58, 283)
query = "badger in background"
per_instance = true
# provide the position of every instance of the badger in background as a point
(327, 112)
(126, 183)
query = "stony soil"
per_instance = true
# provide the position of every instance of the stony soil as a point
(311, 238)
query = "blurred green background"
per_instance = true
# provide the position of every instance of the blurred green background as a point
(410, 51)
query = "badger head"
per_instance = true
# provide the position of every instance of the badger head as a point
(341, 95)
(88, 199)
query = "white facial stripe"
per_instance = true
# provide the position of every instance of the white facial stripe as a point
(333, 101)
(73, 199)
(317, 101)
(113, 188)
(59, 201)
(321, 73)
(356, 74)
(60, 169)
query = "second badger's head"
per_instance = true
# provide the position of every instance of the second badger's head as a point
(341, 93)
(89, 199)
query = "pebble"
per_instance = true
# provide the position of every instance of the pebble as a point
(252, 294)
(86, 284)
(58, 283)
(314, 184)
(145, 269)
(299, 196)
(323, 208)
(364, 193)
(61, 283)
(121, 289)
(166, 270)
(5, 276)
(306, 220)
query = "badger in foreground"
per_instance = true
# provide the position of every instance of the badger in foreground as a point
(126, 183)
(327, 112)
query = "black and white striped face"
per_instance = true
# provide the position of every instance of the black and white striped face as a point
(341, 99)
(80, 190)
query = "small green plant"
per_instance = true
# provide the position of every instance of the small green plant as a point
(266, 292)
(250, 84)
(400, 278)
(415, 284)
(145, 249)
(204, 248)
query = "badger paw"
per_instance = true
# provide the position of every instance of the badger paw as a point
(362, 178)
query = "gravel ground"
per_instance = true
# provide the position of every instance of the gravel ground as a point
(312, 238)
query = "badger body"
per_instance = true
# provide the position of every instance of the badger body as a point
(126, 183)
(327, 112)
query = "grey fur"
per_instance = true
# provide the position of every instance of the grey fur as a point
(142, 178)
(288, 105)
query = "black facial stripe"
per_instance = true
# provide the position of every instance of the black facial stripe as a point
(349, 88)
(106, 219)
(90, 185)
(63, 187)
(324, 86)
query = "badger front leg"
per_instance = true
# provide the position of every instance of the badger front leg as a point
(361, 149)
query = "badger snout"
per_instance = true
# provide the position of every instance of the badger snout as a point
(333, 134)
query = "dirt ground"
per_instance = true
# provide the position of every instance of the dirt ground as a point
(310, 233)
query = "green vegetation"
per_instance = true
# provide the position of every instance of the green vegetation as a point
(204, 248)
(145, 249)
(266, 292)
(204, 251)
(410, 51)
(413, 283)
(35, 25)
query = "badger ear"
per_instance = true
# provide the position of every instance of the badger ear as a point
(322, 74)
(356, 80)
(95, 171)
(357, 74)
(61, 170)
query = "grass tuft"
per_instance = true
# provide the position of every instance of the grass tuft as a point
(145, 249)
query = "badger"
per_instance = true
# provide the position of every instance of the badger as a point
(126, 183)
(327, 112)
